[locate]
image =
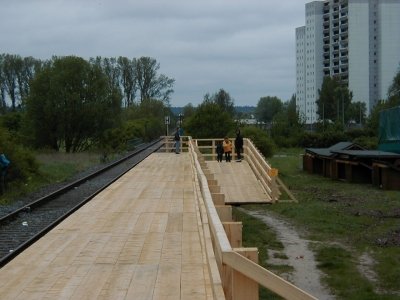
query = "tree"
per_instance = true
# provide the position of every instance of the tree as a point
(267, 108)
(15, 76)
(286, 128)
(71, 103)
(188, 110)
(394, 91)
(357, 112)
(150, 84)
(27, 71)
(11, 65)
(334, 100)
(209, 121)
(3, 104)
(393, 100)
(128, 79)
(224, 100)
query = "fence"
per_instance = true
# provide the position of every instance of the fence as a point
(264, 172)
(238, 273)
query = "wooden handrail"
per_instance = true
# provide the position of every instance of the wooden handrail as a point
(224, 253)
(254, 158)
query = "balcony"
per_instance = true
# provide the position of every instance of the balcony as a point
(336, 16)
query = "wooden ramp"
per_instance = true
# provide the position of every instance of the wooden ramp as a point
(238, 182)
(138, 239)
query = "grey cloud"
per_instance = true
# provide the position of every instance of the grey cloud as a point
(246, 47)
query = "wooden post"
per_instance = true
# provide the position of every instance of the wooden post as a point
(214, 188)
(212, 182)
(218, 198)
(234, 233)
(209, 176)
(224, 212)
(242, 286)
(213, 150)
(206, 172)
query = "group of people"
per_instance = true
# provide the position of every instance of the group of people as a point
(225, 147)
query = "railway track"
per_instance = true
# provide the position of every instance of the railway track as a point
(27, 224)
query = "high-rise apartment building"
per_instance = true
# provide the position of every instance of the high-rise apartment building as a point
(357, 41)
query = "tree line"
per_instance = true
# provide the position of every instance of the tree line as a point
(71, 104)
(283, 125)
(137, 79)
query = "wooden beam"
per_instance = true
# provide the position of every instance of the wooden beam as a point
(214, 189)
(264, 277)
(224, 212)
(212, 182)
(218, 198)
(282, 185)
(234, 233)
(244, 287)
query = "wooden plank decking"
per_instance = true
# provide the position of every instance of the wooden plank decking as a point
(138, 239)
(238, 182)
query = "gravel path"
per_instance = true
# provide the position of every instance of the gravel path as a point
(305, 275)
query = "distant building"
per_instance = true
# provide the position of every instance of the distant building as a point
(356, 40)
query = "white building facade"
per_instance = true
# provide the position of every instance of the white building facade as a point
(357, 41)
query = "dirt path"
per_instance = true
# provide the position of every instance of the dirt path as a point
(305, 275)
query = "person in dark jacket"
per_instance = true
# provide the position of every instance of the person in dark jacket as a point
(4, 164)
(220, 151)
(177, 139)
(239, 146)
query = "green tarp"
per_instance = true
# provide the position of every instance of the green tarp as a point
(389, 130)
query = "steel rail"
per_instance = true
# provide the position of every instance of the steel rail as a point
(145, 150)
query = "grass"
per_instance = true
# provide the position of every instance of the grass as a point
(54, 167)
(357, 216)
(264, 238)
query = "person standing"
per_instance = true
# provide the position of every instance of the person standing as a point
(220, 151)
(227, 145)
(239, 146)
(177, 138)
(4, 164)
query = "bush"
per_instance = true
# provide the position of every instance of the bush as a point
(370, 143)
(322, 140)
(260, 139)
(23, 164)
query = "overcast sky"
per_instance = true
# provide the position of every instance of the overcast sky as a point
(246, 47)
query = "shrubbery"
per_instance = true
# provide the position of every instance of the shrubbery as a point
(23, 164)
(260, 139)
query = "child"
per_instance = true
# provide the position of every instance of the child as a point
(220, 151)
(227, 144)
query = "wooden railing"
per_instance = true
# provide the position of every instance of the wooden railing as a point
(263, 171)
(169, 143)
(238, 272)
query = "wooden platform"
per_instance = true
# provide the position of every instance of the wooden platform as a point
(138, 239)
(238, 182)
